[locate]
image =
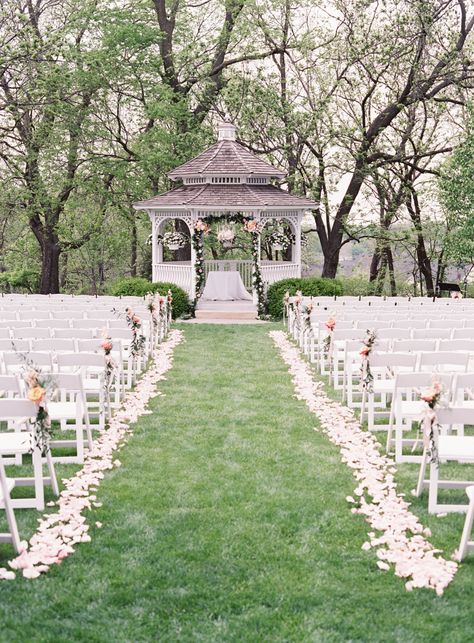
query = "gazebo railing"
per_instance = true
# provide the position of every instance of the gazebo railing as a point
(181, 274)
(274, 271)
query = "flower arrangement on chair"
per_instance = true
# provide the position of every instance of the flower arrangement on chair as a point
(110, 366)
(175, 240)
(327, 342)
(169, 305)
(138, 338)
(431, 397)
(41, 389)
(307, 310)
(366, 376)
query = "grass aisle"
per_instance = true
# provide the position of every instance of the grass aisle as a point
(228, 522)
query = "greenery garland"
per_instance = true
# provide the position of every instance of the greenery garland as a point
(257, 280)
(198, 245)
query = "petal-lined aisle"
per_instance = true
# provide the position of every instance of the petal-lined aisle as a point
(227, 521)
(58, 532)
(401, 539)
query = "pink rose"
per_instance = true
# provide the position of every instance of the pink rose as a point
(364, 351)
(330, 324)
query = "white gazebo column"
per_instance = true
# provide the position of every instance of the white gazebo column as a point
(192, 288)
(259, 257)
(296, 254)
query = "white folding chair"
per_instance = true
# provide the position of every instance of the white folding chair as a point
(70, 405)
(407, 407)
(432, 333)
(52, 323)
(413, 345)
(74, 333)
(16, 362)
(449, 448)
(10, 386)
(53, 345)
(6, 487)
(21, 443)
(117, 383)
(68, 314)
(463, 390)
(384, 367)
(30, 333)
(443, 362)
(463, 333)
(33, 315)
(92, 369)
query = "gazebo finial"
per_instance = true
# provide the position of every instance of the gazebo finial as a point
(226, 131)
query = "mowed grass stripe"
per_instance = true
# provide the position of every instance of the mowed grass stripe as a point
(228, 522)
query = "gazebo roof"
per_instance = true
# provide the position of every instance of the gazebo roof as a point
(226, 158)
(224, 197)
(226, 176)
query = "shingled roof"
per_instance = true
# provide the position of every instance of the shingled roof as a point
(222, 196)
(228, 158)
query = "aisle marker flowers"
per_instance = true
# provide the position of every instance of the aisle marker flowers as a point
(41, 388)
(59, 532)
(366, 376)
(402, 540)
(431, 397)
(110, 365)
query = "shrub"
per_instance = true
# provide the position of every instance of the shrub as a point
(20, 280)
(309, 286)
(139, 286)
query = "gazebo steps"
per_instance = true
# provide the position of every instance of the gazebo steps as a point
(226, 310)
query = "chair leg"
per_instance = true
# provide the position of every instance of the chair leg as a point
(38, 478)
(52, 473)
(398, 440)
(466, 533)
(433, 506)
(421, 476)
(12, 526)
(389, 432)
(362, 406)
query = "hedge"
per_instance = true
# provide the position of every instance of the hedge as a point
(309, 286)
(139, 287)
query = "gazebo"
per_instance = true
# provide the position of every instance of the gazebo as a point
(226, 182)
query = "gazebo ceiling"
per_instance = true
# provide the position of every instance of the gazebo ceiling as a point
(222, 196)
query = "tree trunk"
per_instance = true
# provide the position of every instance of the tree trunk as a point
(50, 253)
(374, 264)
(331, 259)
(391, 271)
(63, 278)
(424, 263)
(183, 254)
(379, 284)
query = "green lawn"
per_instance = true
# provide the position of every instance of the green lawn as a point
(228, 522)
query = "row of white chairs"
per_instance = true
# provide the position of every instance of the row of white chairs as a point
(405, 361)
(67, 349)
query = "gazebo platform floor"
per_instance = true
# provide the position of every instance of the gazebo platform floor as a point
(226, 310)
